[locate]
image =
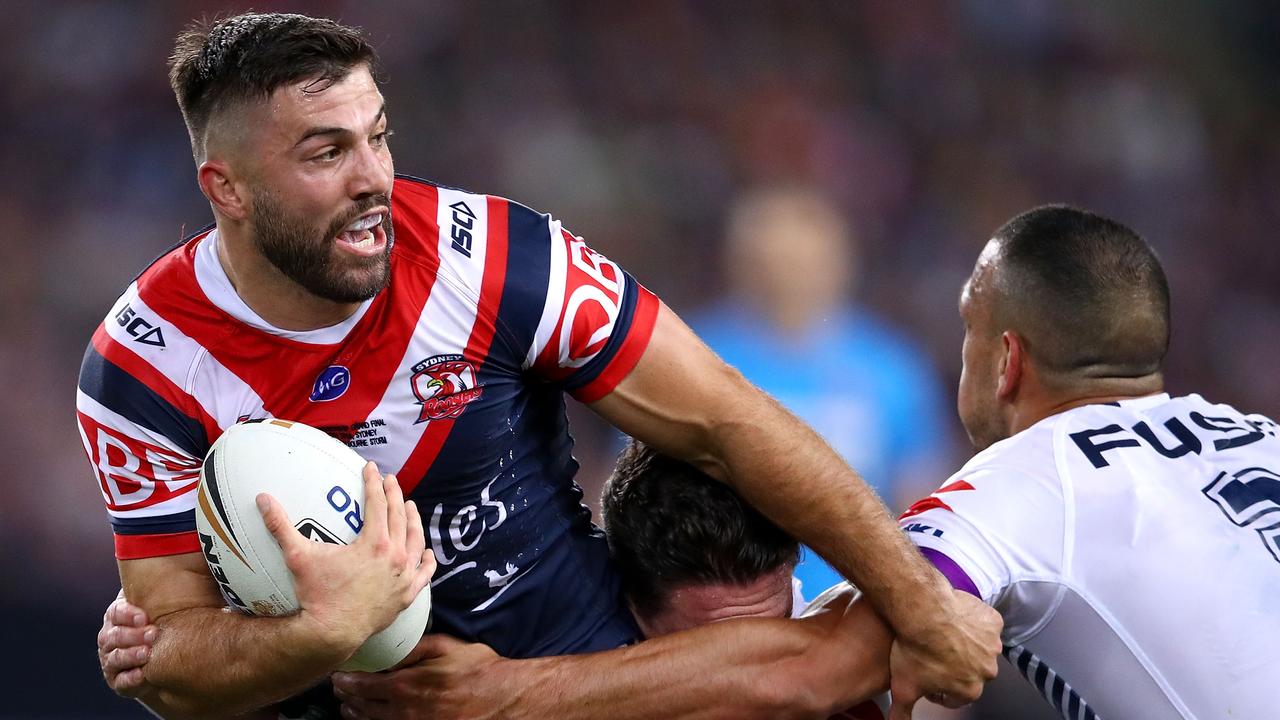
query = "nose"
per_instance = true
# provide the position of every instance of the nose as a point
(371, 173)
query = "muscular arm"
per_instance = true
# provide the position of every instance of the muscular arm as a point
(743, 668)
(689, 404)
(209, 661)
(746, 668)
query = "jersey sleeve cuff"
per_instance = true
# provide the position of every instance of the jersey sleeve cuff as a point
(137, 547)
(951, 570)
(626, 357)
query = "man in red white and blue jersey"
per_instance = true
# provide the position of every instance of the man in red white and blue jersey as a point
(436, 332)
(453, 377)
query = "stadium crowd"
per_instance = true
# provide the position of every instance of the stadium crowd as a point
(640, 124)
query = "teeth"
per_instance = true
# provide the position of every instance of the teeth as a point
(365, 223)
(365, 241)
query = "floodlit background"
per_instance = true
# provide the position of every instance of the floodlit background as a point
(808, 182)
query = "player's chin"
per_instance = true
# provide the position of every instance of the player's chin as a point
(372, 280)
(357, 280)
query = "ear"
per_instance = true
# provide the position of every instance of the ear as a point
(642, 621)
(217, 182)
(1013, 361)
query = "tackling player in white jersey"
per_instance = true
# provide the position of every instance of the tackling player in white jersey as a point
(1129, 539)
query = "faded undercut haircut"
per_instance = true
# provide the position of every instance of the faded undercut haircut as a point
(670, 525)
(1087, 294)
(221, 63)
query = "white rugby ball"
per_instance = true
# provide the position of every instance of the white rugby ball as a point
(318, 481)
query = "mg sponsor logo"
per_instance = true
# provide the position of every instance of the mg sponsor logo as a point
(331, 384)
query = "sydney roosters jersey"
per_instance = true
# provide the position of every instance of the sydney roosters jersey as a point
(453, 377)
(1133, 549)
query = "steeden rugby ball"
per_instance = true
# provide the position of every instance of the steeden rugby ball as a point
(318, 481)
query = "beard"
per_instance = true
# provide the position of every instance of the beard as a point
(304, 251)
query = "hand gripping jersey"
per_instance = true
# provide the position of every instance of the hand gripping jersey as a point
(1133, 549)
(453, 378)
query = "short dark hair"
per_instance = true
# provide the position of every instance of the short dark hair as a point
(216, 64)
(1087, 293)
(669, 525)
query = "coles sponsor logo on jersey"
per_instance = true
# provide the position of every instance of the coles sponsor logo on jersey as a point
(331, 384)
(444, 386)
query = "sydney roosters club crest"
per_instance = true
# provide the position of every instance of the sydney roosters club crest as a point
(444, 385)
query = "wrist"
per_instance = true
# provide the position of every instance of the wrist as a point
(333, 643)
(526, 685)
(932, 607)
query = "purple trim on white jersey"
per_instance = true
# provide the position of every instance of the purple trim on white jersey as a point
(951, 571)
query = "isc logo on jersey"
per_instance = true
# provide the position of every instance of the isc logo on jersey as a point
(318, 481)
(138, 328)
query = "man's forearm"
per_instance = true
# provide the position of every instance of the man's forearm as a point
(748, 668)
(215, 663)
(784, 469)
(265, 713)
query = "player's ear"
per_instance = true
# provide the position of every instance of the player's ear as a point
(217, 182)
(1013, 359)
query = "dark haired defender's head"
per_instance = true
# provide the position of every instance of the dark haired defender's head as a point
(1063, 307)
(288, 129)
(691, 551)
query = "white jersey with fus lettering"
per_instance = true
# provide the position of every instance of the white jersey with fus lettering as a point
(1133, 549)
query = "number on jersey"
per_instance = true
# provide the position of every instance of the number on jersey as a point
(1250, 498)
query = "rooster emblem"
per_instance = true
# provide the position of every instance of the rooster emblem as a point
(444, 386)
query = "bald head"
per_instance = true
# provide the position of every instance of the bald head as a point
(1087, 295)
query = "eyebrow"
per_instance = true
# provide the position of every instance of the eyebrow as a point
(313, 132)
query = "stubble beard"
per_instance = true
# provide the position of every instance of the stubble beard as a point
(306, 254)
(985, 427)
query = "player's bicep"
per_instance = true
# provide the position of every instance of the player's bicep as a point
(679, 395)
(168, 584)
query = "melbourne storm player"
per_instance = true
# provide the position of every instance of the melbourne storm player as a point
(438, 337)
(1130, 540)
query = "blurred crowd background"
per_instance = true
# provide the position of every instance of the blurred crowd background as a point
(809, 182)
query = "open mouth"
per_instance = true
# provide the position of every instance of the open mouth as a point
(365, 235)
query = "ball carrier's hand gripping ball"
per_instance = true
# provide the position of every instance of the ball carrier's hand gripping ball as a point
(317, 480)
